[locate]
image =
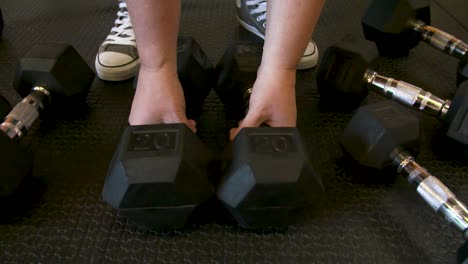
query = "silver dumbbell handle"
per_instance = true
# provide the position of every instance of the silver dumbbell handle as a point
(24, 114)
(246, 96)
(432, 191)
(441, 40)
(408, 94)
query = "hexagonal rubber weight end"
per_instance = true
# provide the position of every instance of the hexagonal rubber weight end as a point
(1, 23)
(195, 73)
(386, 22)
(457, 116)
(376, 130)
(159, 175)
(462, 70)
(462, 256)
(270, 179)
(237, 72)
(5, 108)
(56, 67)
(16, 165)
(340, 74)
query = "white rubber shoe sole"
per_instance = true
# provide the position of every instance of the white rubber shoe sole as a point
(310, 57)
(115, 74)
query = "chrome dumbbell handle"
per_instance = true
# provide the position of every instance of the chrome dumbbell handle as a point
(246, 96)
(408, 94)
(441, 40)
(433, 191)
(24, 114)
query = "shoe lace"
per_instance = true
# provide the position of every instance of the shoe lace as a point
(260, 8)
(122, 33)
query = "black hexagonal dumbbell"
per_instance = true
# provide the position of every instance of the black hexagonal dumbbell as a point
(237, 72)
(159, 174)
(48, 75)
(462, 257)
(1, 23)
(16, 161)
(397, 26)
(462, 71)
(344, 75)
(268, 178)
(195, 73)
(5, 107)
(377, 136)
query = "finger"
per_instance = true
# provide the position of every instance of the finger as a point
(232, 133)
(192, 125)
(249, 121)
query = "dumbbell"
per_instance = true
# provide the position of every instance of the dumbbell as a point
(462, 256)
(267, 176)
(462, 71)
(49, 75)
(159, 174)
(195, 73)
(377, 136)
(1, 23)
(5, 107)
(397, 26)
(237, 71)
(15, 160)
(344, 75)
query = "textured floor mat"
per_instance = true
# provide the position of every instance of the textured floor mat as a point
(457, 10)
(356, 223)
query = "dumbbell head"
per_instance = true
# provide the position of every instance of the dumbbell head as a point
(158, 175)
(457, 116)
(462, 256)
(1, 23)
(376, 130)
(15, 162)
(462, 70)
(5, 108)
(59, 69)
(237, 71)
(340, 74)
(195, 72)
(268, 180)
(387, 22)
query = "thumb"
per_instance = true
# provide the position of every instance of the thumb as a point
(192, 125)
(249, 121)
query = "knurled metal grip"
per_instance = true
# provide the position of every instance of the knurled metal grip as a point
(441, 40)
(433, 191)
(408, 94)
(456, 213)
(443, 201)
(24, 114)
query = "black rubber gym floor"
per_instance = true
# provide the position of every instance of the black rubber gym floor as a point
(63, 219)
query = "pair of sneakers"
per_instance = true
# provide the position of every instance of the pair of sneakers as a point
(118, 60)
